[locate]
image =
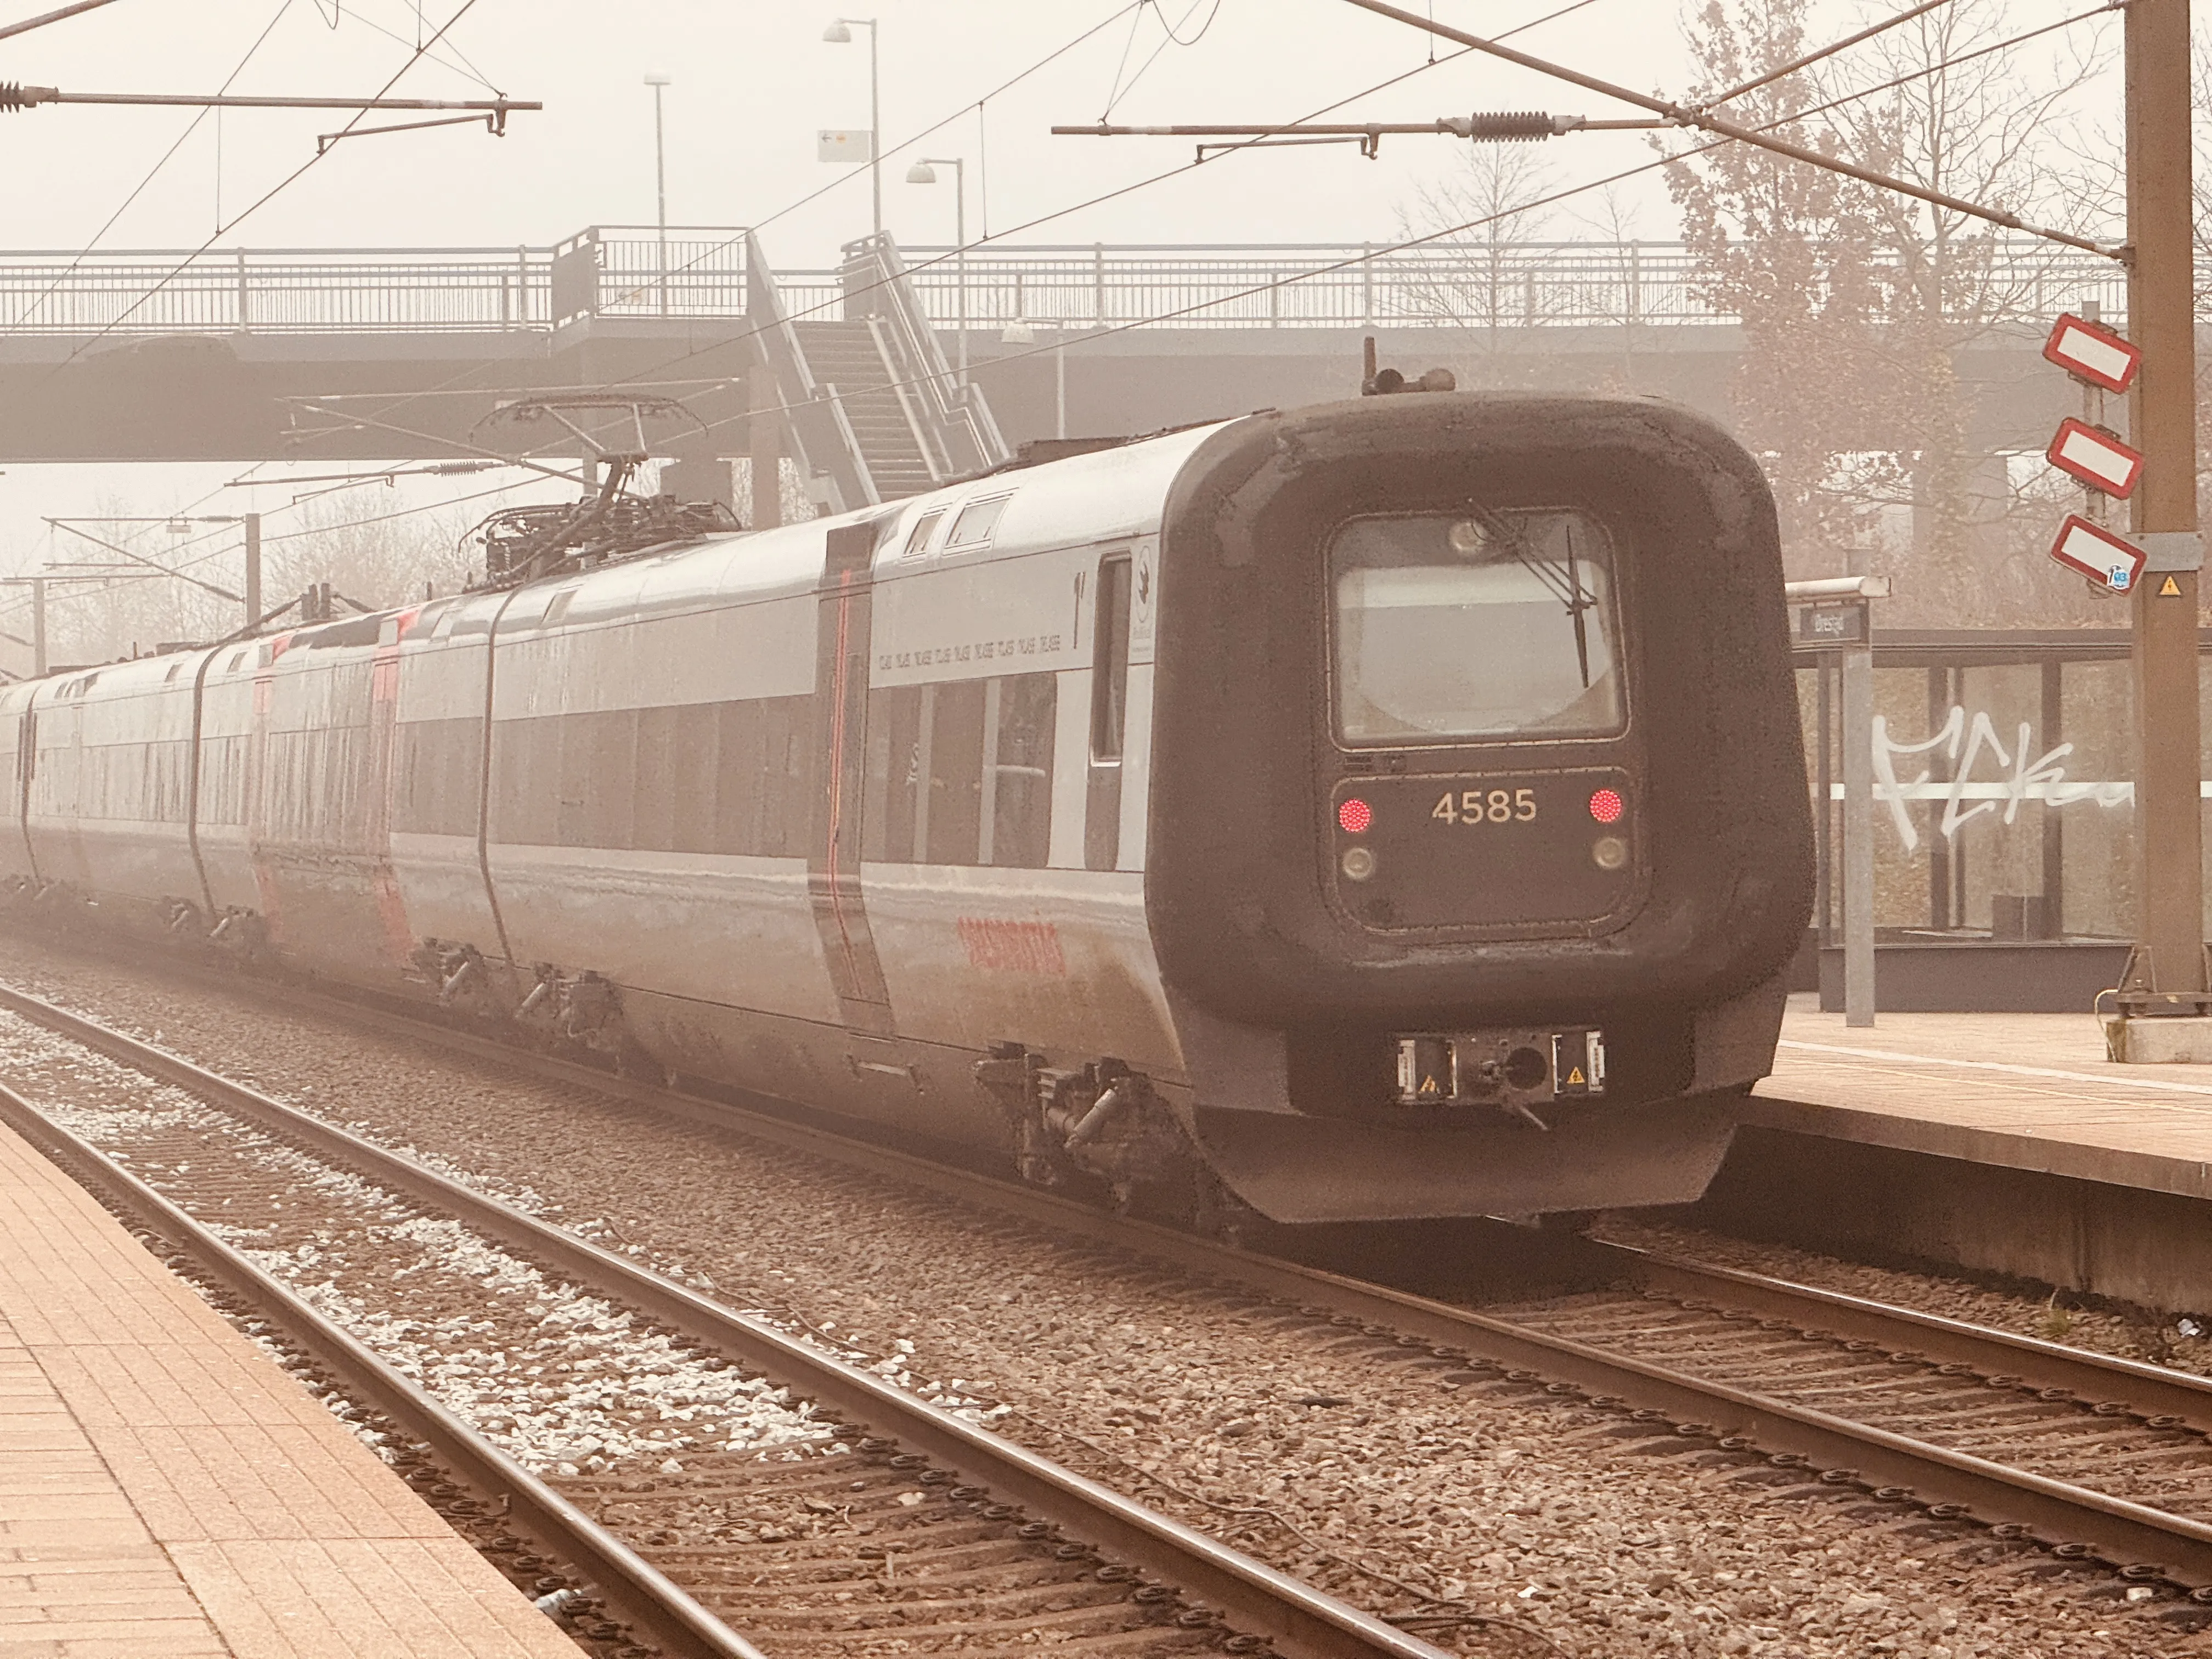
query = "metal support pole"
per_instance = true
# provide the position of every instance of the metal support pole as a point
(38, 627)
(2169, 968)
(1858, 834)
(660, 185)
(1823, 816)
(875, 130)
(252, 569)
(2168, 974)
(1060, 390)
(960, 260)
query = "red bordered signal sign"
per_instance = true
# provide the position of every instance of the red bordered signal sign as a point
(2093, 353)
(2110, 560)
(2095, 457)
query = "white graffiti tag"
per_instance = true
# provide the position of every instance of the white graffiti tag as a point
(1962, 743)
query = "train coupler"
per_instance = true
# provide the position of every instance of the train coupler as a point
(1514, 1070)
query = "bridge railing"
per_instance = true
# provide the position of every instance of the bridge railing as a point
(699, 272)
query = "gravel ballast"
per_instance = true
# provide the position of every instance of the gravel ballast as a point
(1537, 1512)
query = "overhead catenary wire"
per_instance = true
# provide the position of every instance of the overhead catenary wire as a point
(154, 172)
(54, 16)
(1554, 198)
(1561, 194)
(259, 203)
(1828, 50)
(454, 381)
(1687, 115)
(1483, 221)
(1409, 243)
(950, 254)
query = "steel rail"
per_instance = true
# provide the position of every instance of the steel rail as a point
(2153, 1389)
(1303, 1620)
(629, 1584)
(1951, 1484)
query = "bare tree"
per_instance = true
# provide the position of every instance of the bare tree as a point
(1484, 279)
(1858, 303)
(1787, 249)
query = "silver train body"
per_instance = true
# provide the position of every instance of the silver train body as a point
(1013, 815)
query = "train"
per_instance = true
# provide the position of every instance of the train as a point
(1385, 810)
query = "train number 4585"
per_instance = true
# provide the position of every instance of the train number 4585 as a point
(1485, 806)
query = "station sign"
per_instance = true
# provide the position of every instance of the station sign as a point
(847, 145)
(2092, 352)
(2096, 458)
(2106, 557)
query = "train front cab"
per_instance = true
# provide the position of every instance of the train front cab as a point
(1479, 837)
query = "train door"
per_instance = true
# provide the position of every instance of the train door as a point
(1110, 711)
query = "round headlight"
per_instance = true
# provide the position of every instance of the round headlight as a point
(1609, 852)
(1469, 537)
(1357, 863)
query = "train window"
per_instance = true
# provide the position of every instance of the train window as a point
(1482, 625)
(932, 799)
(1109, 662)
(1018, 807)
(976, 521)
(955, 809)
(923, 527)
(236, 658)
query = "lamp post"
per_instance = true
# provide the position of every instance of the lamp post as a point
(924, 172)
(840, 34)
(659, 79)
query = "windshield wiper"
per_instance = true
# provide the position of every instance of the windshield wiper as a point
(1563, 583)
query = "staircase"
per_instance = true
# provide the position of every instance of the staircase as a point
(872, 410)
(848, 362)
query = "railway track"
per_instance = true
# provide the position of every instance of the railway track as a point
(2031, 1446)
(920, 1530)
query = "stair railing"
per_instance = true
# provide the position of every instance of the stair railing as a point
(928, 440)
(957, 417)
(821, 438)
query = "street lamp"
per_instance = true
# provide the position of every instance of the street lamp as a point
(840, 34)
(659, 79)
(924, 172)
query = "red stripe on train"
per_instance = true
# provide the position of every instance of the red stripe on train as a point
(1014, 947)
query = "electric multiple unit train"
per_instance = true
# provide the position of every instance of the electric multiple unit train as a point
(1382, 810)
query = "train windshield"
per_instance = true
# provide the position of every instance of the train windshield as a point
(1474, 625)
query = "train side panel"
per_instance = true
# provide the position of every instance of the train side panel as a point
(109, 803)
(16, 866)
(995, 917)
(231, 683)
(653, 780)
(434, 792)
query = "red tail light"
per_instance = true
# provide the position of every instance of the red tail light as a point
(1607, 806)
(1354, 816)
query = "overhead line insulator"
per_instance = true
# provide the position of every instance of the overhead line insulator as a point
(1511, 126)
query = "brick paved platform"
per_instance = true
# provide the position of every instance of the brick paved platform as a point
(2022, 1091)
(166, 1491)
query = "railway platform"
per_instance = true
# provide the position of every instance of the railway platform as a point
(167, 1490)
(2000, 1142)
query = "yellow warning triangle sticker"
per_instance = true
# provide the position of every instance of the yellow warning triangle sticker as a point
(1428, 1085)
(2170, 589)
(1576, 1075)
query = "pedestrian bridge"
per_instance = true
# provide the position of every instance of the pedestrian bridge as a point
(178, 355)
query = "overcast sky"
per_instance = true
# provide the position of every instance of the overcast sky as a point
(753, 82)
